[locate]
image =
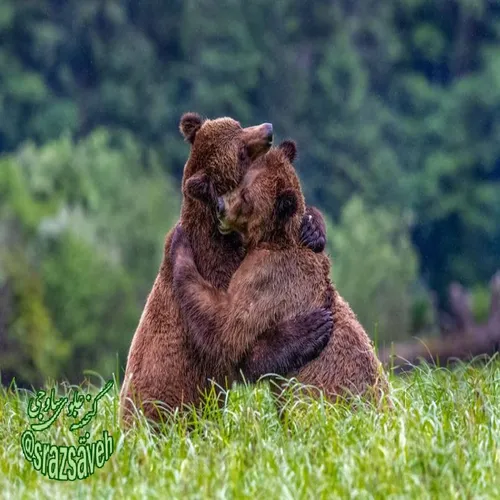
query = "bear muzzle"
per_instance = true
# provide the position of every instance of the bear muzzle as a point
(258, 140)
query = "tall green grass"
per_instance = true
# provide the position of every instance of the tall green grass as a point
(442, 440)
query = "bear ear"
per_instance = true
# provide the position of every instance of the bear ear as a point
(199, 187)
(286, 204)
(290, 149)
(189, 125)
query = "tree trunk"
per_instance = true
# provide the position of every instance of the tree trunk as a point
(461, 339)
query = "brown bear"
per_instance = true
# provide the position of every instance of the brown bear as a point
(277, 280)
(164, 364)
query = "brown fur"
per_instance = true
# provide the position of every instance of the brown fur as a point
(162, 364)
(277, 280)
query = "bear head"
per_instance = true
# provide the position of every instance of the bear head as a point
(221, 152)
(268, 206)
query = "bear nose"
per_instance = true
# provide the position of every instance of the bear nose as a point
(269, 131)
(220, 207)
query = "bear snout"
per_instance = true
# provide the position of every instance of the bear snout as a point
(258, 139)
(220, 207)
(269, 131)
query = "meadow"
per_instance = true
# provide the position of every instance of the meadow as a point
(442, 440)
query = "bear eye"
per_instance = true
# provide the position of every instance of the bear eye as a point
(243, 154)
(246, 206)
(244, 197)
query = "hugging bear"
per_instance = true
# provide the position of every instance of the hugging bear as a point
(278, 279)
(166, 363)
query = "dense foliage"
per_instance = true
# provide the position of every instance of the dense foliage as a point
(81, 228)
(395, 103)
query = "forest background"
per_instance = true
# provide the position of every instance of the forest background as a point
(395, 107)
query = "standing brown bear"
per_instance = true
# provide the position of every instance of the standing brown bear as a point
(277, 280)
(165, 364)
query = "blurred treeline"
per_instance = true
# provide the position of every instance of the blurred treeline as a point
(395, 106)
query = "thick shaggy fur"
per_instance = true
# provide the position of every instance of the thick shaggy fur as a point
(164, 364)
(277, 280)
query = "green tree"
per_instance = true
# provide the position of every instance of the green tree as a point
(84, 224)
(374, 267)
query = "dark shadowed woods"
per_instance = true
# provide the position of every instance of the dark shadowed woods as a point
(462, 337)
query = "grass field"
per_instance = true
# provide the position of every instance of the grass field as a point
(441, 441)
